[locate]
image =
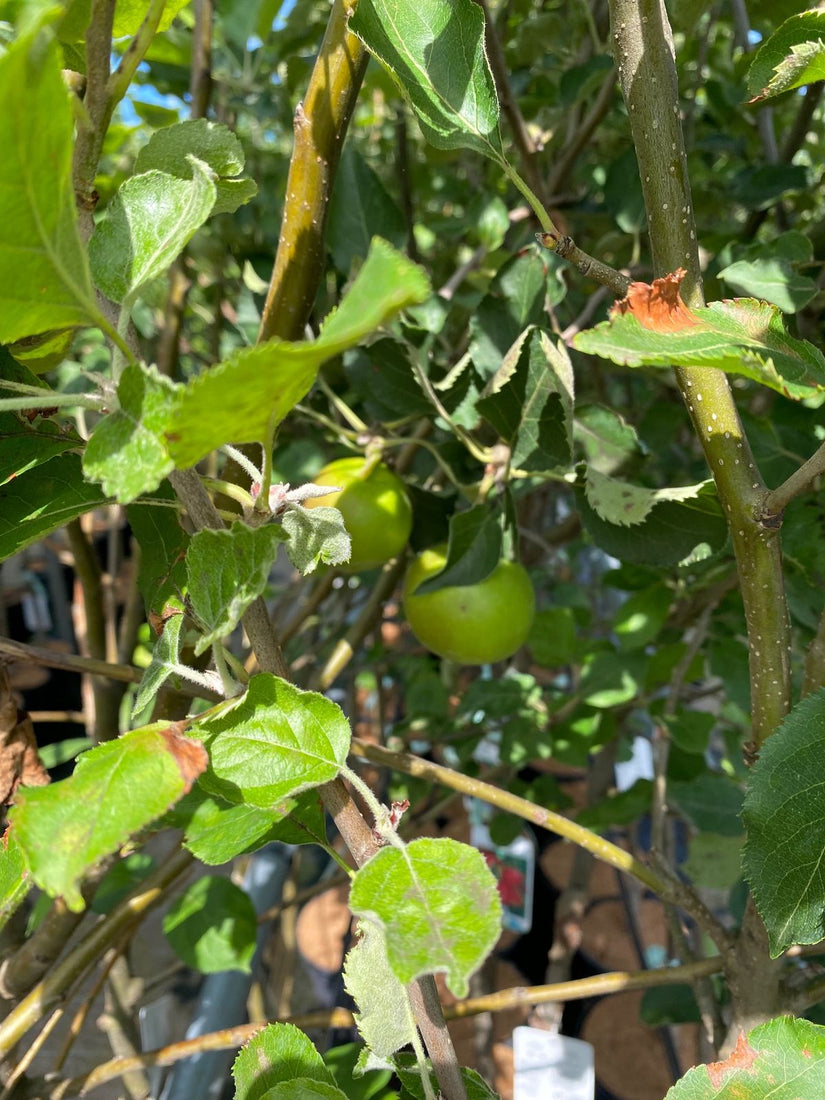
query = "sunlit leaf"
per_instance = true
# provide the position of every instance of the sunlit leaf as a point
(227, 570)
(279, 1054)
(212, 926)
(782, 1058)
(272, 743)
(44, 274)
(146, 226)
(435, 51)
(117, 789)
(793, 56)
(438, 905)
(43, 499)
(784, 816)
(126, 453)
(741, 336)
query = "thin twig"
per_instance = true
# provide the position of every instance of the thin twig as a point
(347, 646)
(800, 481)
(585, 264)
(517, 997)
(520, 807)
(51, 991)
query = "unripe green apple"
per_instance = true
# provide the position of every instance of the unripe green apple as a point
(473, 624)
(376, 509)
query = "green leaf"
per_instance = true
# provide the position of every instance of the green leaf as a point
(690, 729)
(741, 336)
(623, 193)
(238, 400)
(315, 535)
(306, 1088)
(227, 570)
(784, 1058)
(552, 638)
(611, 679)
(784, 815)
(129, 14)
(619, 809)
(793, 56)
(529, 401)
(344, 1062)
(492, 223)
(384, 1019)
(410, 1076)
(172, 148)
(712, 802)
(639, 619)
(473, 551)
(516, 301)
(163, 543)
(24, 446)
(145, 228)
(273, 742)
(117, 789)
(714, 862)
(772, 278)
(620, 503)
(607, 441)
(438, 905)
(212, 926)
(669, 1004)
(126, 453)
(278, 1054)
(42, 499)
(383, 378)
(436, 54)
(671, 530)
(216, 831)
(61, 752)
(165, 663)
(14, 876)
(360, 209)
(121, 880)
(760, 187)
(44, 275)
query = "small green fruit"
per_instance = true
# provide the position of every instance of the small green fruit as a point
(473, 624)
(376, 510)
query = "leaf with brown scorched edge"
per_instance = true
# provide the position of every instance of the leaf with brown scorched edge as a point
(741, 336)
(117, 789)
(782, 1058)
(236, 401)
(793, 56)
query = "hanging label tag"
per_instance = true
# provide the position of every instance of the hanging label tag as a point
(514, 866)
(552, 1067)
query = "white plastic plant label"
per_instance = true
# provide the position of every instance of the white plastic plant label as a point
(549, 1066)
